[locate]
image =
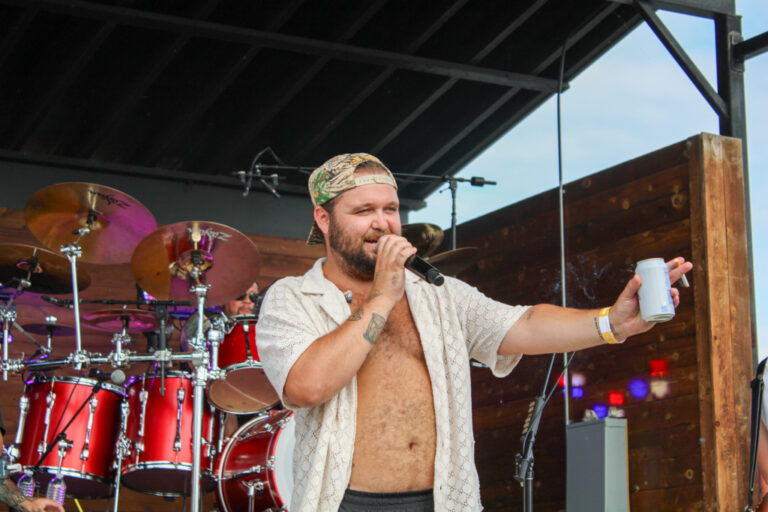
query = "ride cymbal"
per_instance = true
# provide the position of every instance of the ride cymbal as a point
(51, 273)
(425, 237)
(166, 261)
(456, 261)
(117, 221)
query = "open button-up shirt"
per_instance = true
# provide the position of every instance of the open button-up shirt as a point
(455, 322)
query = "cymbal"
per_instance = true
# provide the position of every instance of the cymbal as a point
(51, 273)
(58, 330)
(164, 262)
(456, 261)
(425, 237)
(118, 221)
(139, 320)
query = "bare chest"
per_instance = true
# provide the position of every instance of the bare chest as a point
(395, 411)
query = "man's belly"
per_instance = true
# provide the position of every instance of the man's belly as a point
(395, 437)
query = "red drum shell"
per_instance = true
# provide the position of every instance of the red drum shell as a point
(265, 441)
(245, 388)
(86, 479)
(159, 469)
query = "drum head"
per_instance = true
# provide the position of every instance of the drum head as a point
(244, 390)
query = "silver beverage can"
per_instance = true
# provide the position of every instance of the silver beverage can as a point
(655, 298)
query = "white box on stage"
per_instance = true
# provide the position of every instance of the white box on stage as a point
(598, 474)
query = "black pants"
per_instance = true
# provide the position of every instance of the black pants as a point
(416, 501)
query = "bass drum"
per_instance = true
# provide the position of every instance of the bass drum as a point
(255, 470)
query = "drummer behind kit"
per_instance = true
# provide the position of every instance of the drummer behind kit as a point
(84, 436)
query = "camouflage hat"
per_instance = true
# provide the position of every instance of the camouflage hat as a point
(338, 175)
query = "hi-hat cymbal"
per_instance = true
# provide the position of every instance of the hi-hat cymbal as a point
(165, 261)
(111, 320)
(51, 273)
(425, 237)
(118, 221)
(57, 330)
(456, 261)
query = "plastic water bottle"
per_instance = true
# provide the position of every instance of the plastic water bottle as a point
(26, 484)
(57, 489)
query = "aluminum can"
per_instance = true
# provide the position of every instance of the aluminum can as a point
(656, 303)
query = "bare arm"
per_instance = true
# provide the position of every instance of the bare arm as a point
(546, 328)
(332, 361)
(11, 496)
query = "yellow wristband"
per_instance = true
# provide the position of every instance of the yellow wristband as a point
(604, 324)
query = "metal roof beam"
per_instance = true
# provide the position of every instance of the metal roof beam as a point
(362, 95)
(701, 8)
(447, 85)
(646, 9)
(205, 29)
(140, 85)
(752, 47)
(249, 133)
(181, 126)
(544, 63)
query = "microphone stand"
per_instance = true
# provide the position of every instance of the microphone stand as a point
(524, 462)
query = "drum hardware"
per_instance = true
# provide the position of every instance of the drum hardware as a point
(180, 402)
(123, 449)
(254, 487)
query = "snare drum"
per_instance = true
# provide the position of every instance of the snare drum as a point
(245, 388)
(160, 432)
(255, 470)
(47, 405)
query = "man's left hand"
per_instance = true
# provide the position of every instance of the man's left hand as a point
(625, 314)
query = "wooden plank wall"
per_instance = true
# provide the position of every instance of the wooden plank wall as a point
(279, 257)
(687, 448)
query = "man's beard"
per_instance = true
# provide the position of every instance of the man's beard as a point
(355, 261)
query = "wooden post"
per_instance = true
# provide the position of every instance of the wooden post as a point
(723, 316)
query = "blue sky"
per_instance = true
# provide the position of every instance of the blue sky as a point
(634, 100)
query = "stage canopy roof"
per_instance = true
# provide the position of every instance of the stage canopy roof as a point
(195, 89)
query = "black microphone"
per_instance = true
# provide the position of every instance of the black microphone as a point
(424, 270)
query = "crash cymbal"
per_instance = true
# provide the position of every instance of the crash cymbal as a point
(58, 330)
(118, 221)
(456, 261)
(425, 237)
(51, 272)
(111, 320)
(163, 262)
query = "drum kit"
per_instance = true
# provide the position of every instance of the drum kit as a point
(162, 432)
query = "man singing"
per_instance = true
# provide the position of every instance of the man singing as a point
(375, 360)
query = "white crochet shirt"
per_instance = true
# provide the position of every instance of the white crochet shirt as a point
(455, 322)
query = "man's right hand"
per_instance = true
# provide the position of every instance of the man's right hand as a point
(392, 251)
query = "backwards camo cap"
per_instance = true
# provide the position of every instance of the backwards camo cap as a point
(338, 175)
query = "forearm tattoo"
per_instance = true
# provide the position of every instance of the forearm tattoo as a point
(374, 328)
(356, 315)
(11, 495)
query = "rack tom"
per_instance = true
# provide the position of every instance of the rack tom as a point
(245, 388)
(46, 407)
(160, 434)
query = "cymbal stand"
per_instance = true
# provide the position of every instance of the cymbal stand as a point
(8, 313)
(120, 357)
(201, 376)
(123, 449)
(72, 252)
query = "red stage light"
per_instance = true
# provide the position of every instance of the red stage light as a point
(561, 382)
(616, 398)
(659, 367)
